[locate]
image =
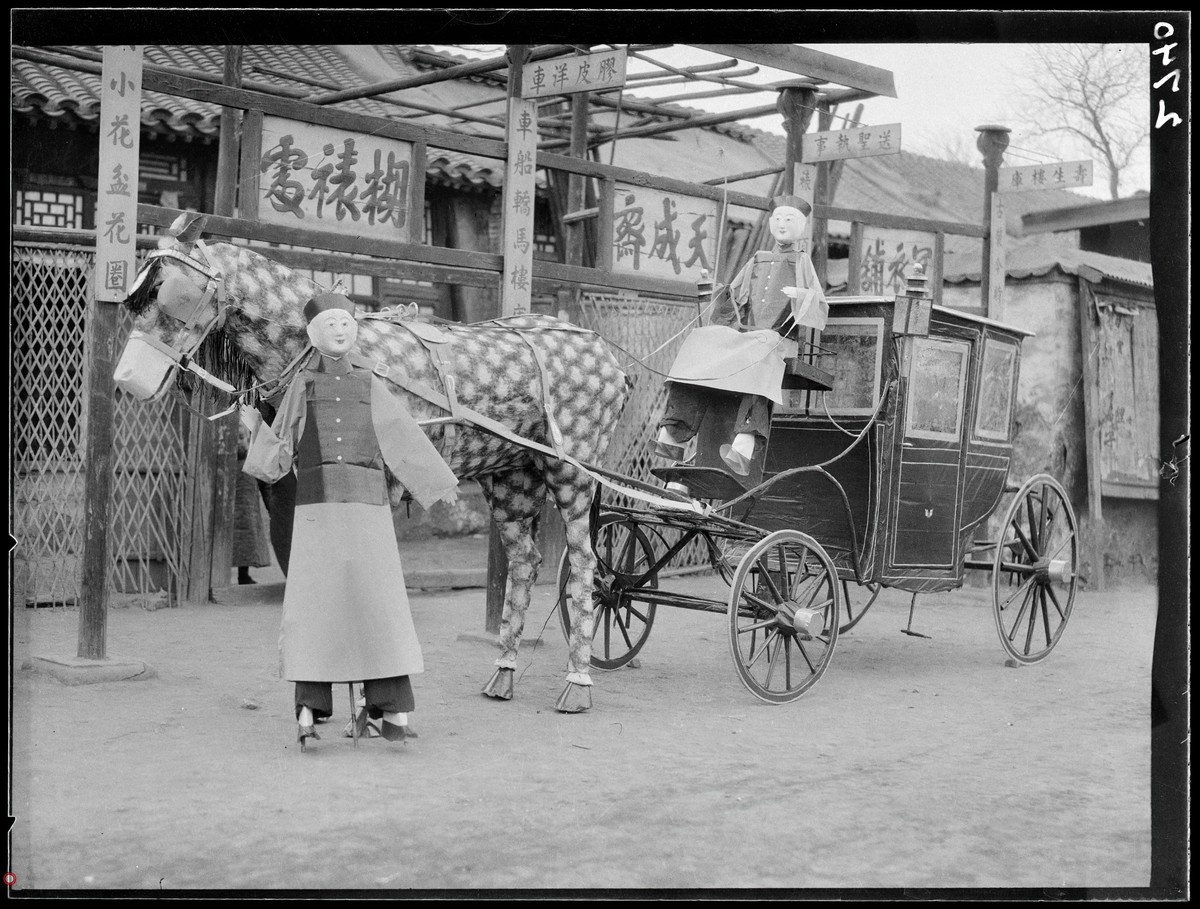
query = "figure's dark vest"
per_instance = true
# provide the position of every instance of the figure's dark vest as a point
(770, 272)
(338, 455)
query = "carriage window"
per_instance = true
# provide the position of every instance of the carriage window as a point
(856, 364)
(996, 389)
(936, 382)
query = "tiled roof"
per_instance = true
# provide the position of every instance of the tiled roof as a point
(1035, 261)
(62, 93)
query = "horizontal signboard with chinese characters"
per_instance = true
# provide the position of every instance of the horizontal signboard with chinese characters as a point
(1058, 175)
(862, 142)
(568, 75)
(663, 234)
(886, 257)
(321, 178)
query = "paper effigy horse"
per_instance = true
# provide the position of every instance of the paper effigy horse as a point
(532, 377)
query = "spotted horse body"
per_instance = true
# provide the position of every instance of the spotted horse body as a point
(501, 370)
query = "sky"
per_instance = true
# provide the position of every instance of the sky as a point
(943, 92)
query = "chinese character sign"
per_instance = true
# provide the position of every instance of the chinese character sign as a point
(321, 178)
(886, 258)
(862, 142)
(520, 190)
(116, 191)
(568, 75)
(662, 234)
(1056, 175)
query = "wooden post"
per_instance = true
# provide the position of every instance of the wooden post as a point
(992, 142)
(822, 196)
(1088, 337)
(116, 224)
(225, 429)
(517, 247)
(552, 532)
(97, 478)
(797, 102)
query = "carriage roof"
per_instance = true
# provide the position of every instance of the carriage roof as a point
(944, 311)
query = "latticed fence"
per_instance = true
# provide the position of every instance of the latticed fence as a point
(647, 334)
(151, 510)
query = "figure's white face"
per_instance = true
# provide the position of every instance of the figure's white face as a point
(787, 224)
(333, 332)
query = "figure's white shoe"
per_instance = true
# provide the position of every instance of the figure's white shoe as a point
(738, 455)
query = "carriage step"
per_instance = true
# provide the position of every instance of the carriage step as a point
(799, 375)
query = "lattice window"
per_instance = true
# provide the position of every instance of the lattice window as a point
(645, 335)
(151, 508)
(48, 208)
(162, 167)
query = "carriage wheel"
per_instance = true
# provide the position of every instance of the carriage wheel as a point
(784, 607)
(853, 612)
(1035, 572)
(621, 625)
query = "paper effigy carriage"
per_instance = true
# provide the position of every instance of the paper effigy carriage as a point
(883, 471)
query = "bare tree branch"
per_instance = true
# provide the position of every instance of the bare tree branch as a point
(1094, 92)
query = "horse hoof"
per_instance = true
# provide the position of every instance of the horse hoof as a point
(574, 699)
(500, 685)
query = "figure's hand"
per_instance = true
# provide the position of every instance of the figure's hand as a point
(250, 417)
(789, 292)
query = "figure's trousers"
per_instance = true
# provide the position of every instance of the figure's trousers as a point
(392, 695)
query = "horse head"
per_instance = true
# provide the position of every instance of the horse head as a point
(177, 299)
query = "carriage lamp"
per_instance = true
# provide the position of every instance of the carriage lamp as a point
(914, 306)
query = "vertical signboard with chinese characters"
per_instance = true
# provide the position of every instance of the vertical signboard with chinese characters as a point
(117, 186)
(663, 234)
(322, 178)
(519, 190)
(805, 185)
(885, 257)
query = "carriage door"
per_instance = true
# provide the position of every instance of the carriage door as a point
(926, 516)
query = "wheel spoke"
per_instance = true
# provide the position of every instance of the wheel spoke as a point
(1032, 620)
(765, 646)
(773, 661)
(1020, 614)
(1025, 541)
(764, 573)
(804, 653)
(621, 626)
(1054, 597)
(787, 666)
(765, 623)
(1042, 514)
(1032, 528)
(1059, 547)
(1016, 593)
(1045, 615)
(760, 602)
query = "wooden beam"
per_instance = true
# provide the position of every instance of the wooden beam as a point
(992, 142)
(1075, 217)
(802, 61)
(691, 123)
(237, 228)
(445, 75)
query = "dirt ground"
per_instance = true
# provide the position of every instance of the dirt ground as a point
(915, 763)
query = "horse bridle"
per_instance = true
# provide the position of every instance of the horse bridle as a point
(196, 318)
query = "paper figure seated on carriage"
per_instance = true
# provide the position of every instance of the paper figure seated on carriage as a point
(730, 374)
